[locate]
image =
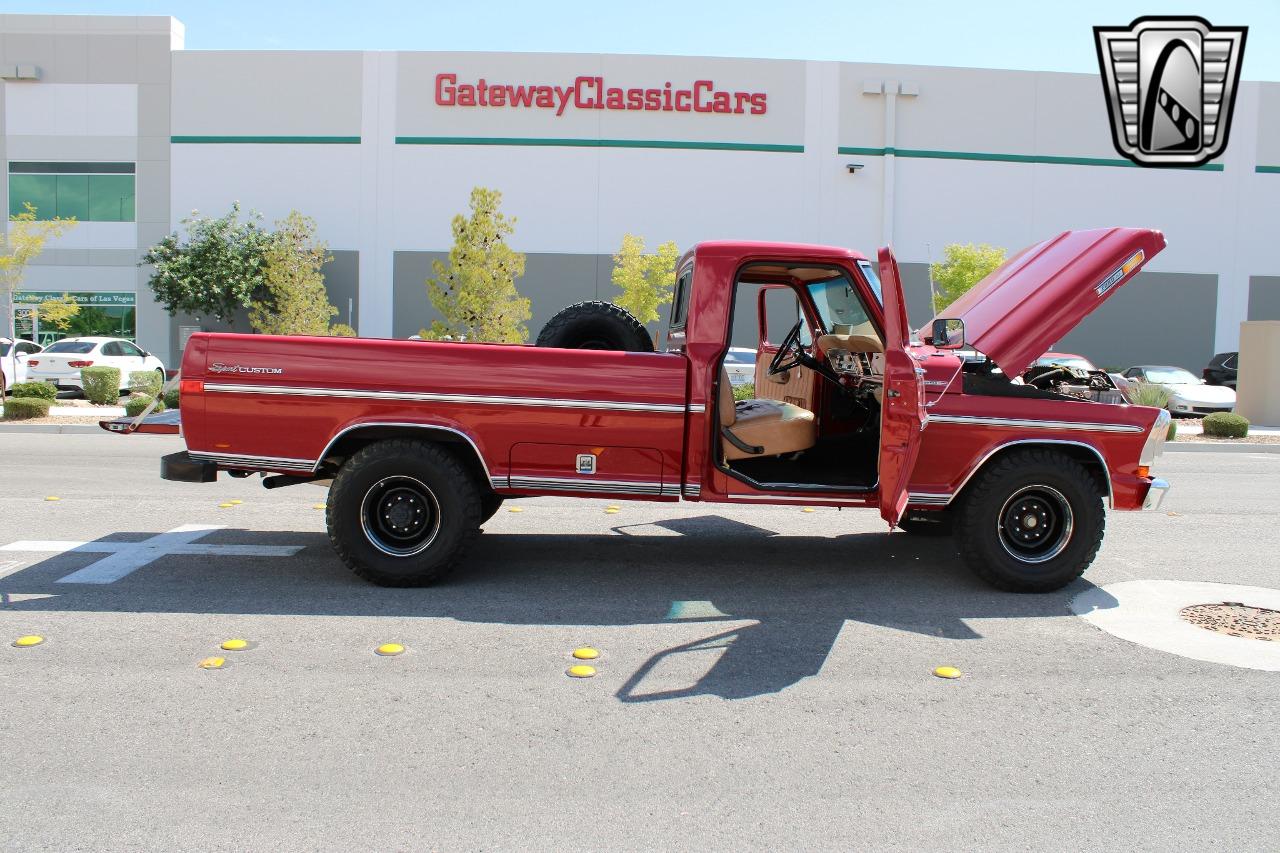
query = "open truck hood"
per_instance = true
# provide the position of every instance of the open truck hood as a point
(1043, 292)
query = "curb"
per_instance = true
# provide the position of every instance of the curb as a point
(1220, 447)
(53, 429)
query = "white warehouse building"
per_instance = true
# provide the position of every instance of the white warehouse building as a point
(108, 119)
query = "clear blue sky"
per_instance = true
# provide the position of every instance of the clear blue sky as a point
(1053, 36)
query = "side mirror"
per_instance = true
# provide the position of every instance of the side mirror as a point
(948, 334)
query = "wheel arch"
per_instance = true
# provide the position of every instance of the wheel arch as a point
(1083, 452)
(352, 438)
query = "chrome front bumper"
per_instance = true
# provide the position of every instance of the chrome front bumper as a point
(1155, 495)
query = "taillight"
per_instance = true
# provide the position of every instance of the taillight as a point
(34, 362)
(190, 386)
(79, 364)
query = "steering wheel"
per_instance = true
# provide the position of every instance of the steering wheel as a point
(791, 353)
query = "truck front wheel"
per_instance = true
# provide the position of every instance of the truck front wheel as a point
(402, 513)
(1031, 521)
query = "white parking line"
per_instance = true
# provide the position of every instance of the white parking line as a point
(127, 557)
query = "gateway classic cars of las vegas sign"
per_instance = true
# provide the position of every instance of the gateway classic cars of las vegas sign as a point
(1171, 85)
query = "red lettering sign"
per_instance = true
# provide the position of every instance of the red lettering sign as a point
(593, 93)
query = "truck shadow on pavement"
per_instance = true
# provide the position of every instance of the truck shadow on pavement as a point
(772, 605)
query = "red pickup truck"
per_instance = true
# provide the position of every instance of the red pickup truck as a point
(422, 441)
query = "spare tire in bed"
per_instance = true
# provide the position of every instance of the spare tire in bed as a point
(596, 325)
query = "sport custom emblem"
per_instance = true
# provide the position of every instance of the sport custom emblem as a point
(1171, 85)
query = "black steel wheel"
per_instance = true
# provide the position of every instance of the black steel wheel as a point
(1031, 521)
(402, 513)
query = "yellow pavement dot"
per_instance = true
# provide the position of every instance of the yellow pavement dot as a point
(515, 509)
(225, 505)
(212, 663)
(807, 509)
(235, 645)
(53, 498)
(389, 649)
(29, 640)
(235, 501)
(947, 672)
(317, 506)
(581, 671)
(612, 506)
(613, 510)
(586, 653)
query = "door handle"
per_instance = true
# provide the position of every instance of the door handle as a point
(893, 392)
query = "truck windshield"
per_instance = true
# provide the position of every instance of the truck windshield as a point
(838, 303)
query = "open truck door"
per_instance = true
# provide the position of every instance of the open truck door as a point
(903, 416)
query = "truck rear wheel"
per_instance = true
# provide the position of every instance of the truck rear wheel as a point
(1031, 522)
(402, 513)
(595, 325)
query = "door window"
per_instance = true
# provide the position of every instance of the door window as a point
(779, 312)
(129, 349)
(112, 348)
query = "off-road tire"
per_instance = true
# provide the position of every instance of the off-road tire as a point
(489, 505)
(927, 523)
(595, 325)
(982, 509)
(450, 484)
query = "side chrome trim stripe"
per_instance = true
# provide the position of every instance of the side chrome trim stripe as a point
(307, 465)
(929, 498)
(975, 420)
(424, 397)
(584, 485)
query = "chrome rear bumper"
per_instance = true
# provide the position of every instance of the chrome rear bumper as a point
(1155, 495)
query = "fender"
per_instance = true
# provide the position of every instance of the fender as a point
(452, 429)
(932, 499)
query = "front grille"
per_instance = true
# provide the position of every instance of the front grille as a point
(1209, 410)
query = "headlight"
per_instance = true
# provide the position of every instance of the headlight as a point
(1155, 440)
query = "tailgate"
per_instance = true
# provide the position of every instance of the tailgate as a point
(163, 423)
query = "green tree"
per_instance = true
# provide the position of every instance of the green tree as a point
(475, 292)
(217, 269)
(965, 266)
(22, 244)
(58, 311)
(294, 300)
(647, 281)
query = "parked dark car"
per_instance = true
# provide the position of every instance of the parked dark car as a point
(1222, 369)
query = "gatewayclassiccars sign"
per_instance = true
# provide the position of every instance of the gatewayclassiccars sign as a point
(592, 93)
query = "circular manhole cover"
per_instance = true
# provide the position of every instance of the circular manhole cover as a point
(1235, 620)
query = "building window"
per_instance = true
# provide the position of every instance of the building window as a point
(109, 314)
(91, 192)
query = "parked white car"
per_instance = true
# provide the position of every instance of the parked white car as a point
(1188, 393)
(61, 362)
(740, 364)
(13, 361)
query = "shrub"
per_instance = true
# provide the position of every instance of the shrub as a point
(744, 392)
(1173, 430)
(1146, 394)
(171, 398)
(135, 404)
(1226, 425)
(21, 408)
(39, 390)
(101, 384)
(145, 382)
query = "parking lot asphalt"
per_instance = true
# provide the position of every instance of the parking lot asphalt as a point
(765, 679)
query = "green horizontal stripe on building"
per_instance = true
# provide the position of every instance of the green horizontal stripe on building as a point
(597, 143)
(1047, 159)
(265, 140)
(1267, 170)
